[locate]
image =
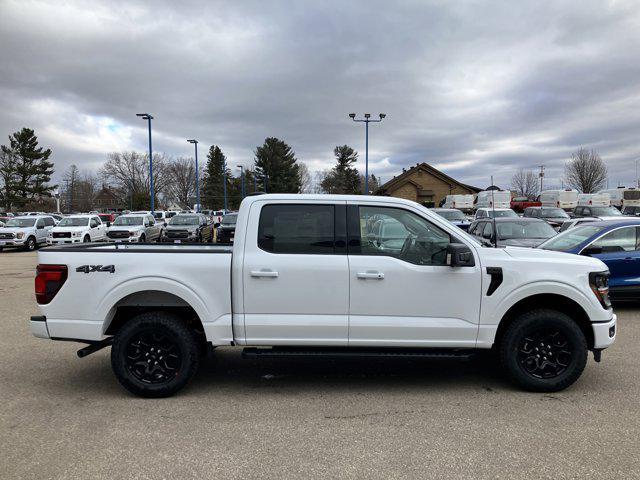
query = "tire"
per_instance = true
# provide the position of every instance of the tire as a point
(31, 244)
(543, 351)
(149, 336)
(86, 239)
(142, 238)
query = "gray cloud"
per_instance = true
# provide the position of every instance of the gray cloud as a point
(475, 88)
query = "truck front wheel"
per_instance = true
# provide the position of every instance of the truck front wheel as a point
(155, 354)
(543, 351)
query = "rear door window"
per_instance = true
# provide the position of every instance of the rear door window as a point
(297, 229)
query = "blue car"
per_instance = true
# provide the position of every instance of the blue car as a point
(454, 215)
(616, 243)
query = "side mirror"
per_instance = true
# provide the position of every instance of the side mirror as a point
(216, 225)
(459, 255)
(108, 224)
(591, 250)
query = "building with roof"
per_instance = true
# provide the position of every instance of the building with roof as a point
(426, 185)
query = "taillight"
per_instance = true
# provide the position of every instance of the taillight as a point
(49, 280)
(599, 282)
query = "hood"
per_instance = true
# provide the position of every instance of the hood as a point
(540, 255)
(182, 227)
(69, 229)
(124, 228)
(14, 229)
(521, 242)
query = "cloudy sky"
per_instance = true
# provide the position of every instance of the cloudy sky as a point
(474, 88)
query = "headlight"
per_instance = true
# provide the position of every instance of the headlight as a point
(599, 282)
(20, 235)
(133, 234)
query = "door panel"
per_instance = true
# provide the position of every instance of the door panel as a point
(410, 298)
(295, 278)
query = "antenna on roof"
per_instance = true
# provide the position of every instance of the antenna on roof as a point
(493, 213)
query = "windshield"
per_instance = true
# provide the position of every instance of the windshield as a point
(127, 221)
(553, 213)
(571, 238)
(509, 230)
(631, 210)
(501, 213)
(184, 220)
(21, 222)
(605, 211)
(229, 219)
(451, 214)
(631, 194)
(73, 222)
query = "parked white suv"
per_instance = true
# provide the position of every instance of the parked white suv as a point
(77, 229)
(26, 232)
(138, 228)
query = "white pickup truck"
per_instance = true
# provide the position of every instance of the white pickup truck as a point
(309, 275)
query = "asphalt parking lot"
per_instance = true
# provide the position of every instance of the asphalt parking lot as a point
(64, 417)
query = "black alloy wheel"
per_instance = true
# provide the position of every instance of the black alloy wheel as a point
(153, 357)
(545, 353)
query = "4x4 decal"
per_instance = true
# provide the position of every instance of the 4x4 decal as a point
(96, 268)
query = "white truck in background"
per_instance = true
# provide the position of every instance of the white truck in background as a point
(566, 199)
(594, 200)
(623, 197)
(459, 202)
(309, 275)
(494, 199)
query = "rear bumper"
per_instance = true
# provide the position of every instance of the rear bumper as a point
(38, 325)
(604, 333)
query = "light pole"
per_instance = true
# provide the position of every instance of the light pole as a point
(148, 118)
(366, 120)
(195, 143)
(224, 184)
(242, 180)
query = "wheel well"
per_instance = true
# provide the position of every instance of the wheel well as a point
(559, 303)
(152, 300)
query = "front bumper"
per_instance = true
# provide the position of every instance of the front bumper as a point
(13, 242)
(63, 241)
(604, 333)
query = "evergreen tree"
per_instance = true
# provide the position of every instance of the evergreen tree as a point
(32, 169)
(344, 177)
(213, 188)
(277, 161)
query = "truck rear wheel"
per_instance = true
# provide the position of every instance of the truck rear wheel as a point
(543, 351)
(155, 354)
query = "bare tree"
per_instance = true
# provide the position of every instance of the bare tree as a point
(586, 172)
(305, 178)
(128, 172)
(525, 183)
(182, 186)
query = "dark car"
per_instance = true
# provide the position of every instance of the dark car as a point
(454, 215)
(595, 211)
(616, 243)
(514, 232)
(552, 215)
(633, 211)
(188, 228)
(227, 229)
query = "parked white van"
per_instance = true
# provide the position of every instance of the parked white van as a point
(460, 202)
(594, 200)
(494, 198)
(623, 196)
(566, 199)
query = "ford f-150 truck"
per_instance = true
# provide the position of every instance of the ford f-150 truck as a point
(309, 275)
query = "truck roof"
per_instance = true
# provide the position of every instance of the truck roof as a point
(325, 197)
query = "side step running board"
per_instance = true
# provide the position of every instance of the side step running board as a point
(282, 352)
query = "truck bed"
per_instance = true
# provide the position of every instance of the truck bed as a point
(101, 280)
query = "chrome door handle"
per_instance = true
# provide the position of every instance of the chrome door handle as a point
(264, 273)
(370, 275)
